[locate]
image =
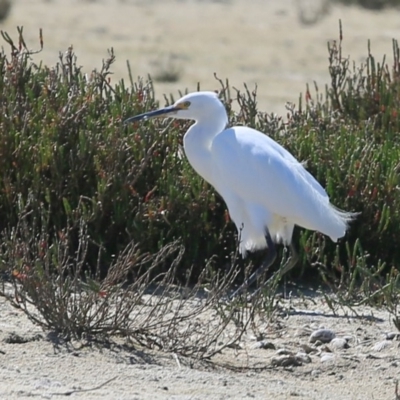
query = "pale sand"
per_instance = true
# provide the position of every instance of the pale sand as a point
(43, 368)
(256, 42)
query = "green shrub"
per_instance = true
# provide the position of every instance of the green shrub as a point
(63, 146)
(356, 148)
(62, 143)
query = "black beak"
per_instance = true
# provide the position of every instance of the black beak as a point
(152, 114)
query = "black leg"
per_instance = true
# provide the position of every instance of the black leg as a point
(271, 255)
(290, 263)
(294, 257)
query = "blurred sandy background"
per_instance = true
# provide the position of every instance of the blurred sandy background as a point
(259, 42)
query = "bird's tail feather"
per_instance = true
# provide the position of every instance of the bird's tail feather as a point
(345, 215)
(343, 219)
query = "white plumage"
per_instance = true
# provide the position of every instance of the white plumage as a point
(266, 189)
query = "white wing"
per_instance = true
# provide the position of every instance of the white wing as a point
(261, 171)
(250, 136)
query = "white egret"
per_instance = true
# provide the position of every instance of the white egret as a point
(267, 191)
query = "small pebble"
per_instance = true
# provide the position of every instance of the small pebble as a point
(303, 357)
(348, 338)
(322, 335)
(338, 344)
(263, 344)
(281, 352)
(392, 336)
(326, 357)
(285, 361)
(382, 345)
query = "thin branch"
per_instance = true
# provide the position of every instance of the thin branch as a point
(72, 391)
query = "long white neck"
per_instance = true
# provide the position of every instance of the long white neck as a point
(198, 140)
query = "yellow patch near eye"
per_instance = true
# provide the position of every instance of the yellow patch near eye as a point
(184, 105)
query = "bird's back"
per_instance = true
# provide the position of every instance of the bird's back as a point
(260, 171)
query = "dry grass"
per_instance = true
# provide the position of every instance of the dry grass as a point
(55, 287)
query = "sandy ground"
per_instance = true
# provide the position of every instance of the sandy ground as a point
(257, 42)
(35, 364)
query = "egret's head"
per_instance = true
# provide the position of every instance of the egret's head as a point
(196, 106)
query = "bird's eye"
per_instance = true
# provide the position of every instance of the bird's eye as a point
(185, 104)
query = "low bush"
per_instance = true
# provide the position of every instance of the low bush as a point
(63, 145)
(68, 162)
